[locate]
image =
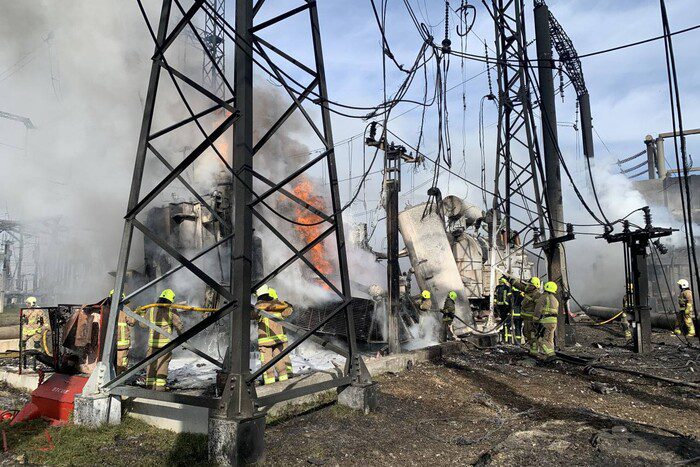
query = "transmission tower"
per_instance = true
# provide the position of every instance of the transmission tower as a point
(214, 41)
(237, 417)
(519, 172)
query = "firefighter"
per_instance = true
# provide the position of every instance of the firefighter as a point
(272, 339)
(517, 299)
(448, 315)
(34, 325)
(124, 325)
(531, 292)
(627, 303)
(545, 316)
(168, 320)
(685, 309)
(424, 303)
(502, 300)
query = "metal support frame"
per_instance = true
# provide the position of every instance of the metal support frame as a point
(239, 401)
(516, 128)
(214, 66)
(393, 156)
(572, 64)
(635, 243)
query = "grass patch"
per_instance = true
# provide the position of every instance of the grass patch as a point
(130, 443)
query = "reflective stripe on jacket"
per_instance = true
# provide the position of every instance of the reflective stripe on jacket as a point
(271, 332)
(164, 318)
(546, 309)
(501, 294)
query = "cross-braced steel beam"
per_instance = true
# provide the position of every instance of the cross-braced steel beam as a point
(238, 402)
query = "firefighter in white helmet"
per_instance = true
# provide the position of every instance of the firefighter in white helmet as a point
(272, 339)
(685, 309)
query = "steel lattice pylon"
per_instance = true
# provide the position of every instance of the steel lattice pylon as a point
(214, 40)
(514, 178)
(239, 400)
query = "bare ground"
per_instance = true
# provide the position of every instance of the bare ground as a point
(493, 406)
(500, 407)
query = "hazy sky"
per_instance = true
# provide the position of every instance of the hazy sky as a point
(78, 69)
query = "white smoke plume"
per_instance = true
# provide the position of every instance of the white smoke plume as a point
(596, 268)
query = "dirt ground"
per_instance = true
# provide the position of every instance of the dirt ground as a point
(494, 406)
(500, 407)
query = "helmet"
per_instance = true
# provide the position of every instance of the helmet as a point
(550, 287)
(425, 294)
(168, 294)
(535, 281)
(452, 295)
(272, 293)
(504, 280)
(30, 301)
(111, 294)
(683, 284)
(262, 290)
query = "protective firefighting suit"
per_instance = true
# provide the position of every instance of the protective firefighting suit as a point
(448, 314)
(530, 296)
(502, 302)
(124, 325)
(168, 320)
(34, 329)
(272, 339)
(545, 315)
(517, 316)
(685, 313)
(424, 304)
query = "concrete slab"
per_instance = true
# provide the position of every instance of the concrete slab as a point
(9, 344)
(172, 416)
(27, 381)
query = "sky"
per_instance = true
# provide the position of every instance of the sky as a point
(79, 70)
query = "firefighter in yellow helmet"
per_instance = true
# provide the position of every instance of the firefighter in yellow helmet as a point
(531, 293)
(124, 325)
(685, 309)
(545, 316)
(448, 315)
(272, 339)
(424, 302)
(168, 320)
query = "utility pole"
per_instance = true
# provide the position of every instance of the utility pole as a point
(635, 243)
(393, 155)
(556, 261)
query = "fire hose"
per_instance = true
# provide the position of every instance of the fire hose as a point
(473, 329)
(174, 306)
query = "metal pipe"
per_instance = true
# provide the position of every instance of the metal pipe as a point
(660, 157)
(651, 156)
(658, 320)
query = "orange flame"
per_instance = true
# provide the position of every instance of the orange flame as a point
(318, 254)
